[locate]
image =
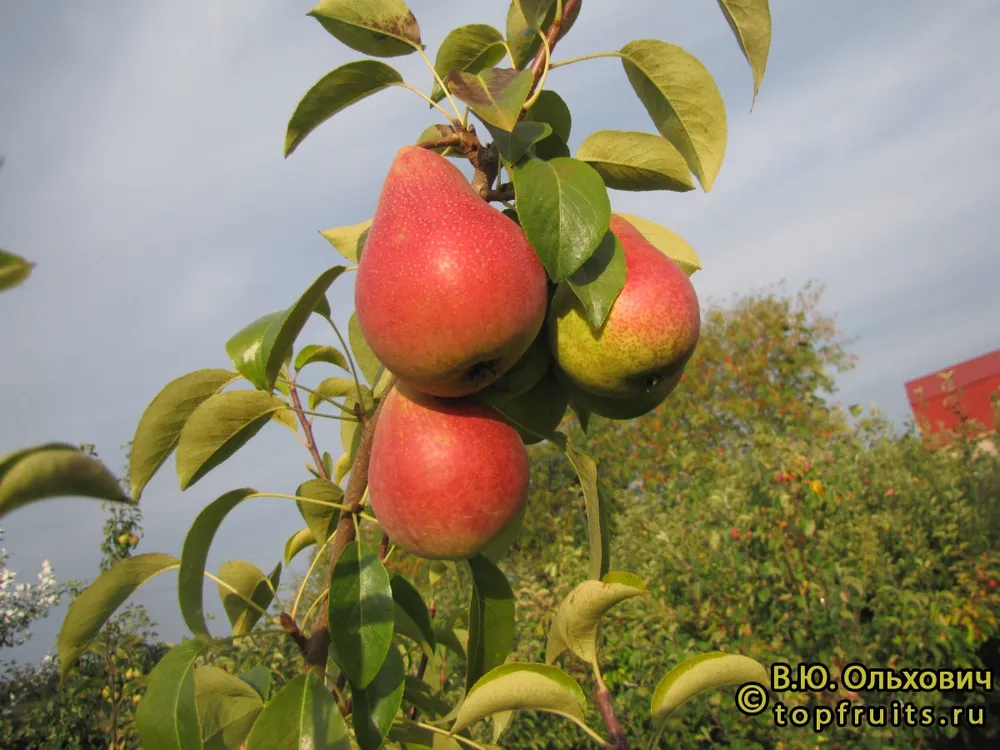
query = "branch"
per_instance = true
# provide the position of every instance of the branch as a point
(307, 429)
(551, 36)
(603, 698)
(319, 641)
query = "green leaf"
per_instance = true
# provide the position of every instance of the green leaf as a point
(599, 281)
(467, 49)
(250, 583)
(501, 722)
(491, 620)
(666, 242)
(259, 678)
(360, 614)
(536, 413)
(54, 470)
(624, 579)
(91, 609)
(302, 715)
(564, 210)
(259, 350)
(513, 145)
(342, 468)
(550, 108)
(683, 101)
(363, 355)
(698, 674)
(411, 610)
(418, 693)
(496, 95)
(411, 736)
(598, 538)
(161, 424)
(13, 270)
(332, 388)
(336, 91)
(750, 21)
(525, 373)
(227, 707)
(526, 687)
(349, 241)
(375, 706)
(167, 717)
(219, 427)
(576, 622)
(319, 353)
(297, 542)
(634, 161)
(380, 28)
(321, 519)
(524, 41)
(190, 579)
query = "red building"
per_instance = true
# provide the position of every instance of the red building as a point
(974, 382)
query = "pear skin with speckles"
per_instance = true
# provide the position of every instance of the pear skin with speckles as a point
(449, 292)
(629, 365)
(448, 477)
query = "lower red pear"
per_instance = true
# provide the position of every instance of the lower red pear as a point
(446, 477)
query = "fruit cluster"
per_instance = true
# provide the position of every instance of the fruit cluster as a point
(453, 300)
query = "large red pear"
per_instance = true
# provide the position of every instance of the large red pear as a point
(449, 292)
(446, 477)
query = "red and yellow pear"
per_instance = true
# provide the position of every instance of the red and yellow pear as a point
(447, 476)
(629, 365)
(449, 292)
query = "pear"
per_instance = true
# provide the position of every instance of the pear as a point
(449, 292)
(447, 477)
(628, 366)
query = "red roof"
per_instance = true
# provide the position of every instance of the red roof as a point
(964, 374)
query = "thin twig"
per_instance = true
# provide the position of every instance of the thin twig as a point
(308, 430)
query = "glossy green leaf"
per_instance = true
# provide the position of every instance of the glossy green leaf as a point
(564, 209)
(218, 427)
(54, 470)
(491, 620)
(321, 519)
(750, 21)
(227, 707)
(13, 270)
(349, 240)
(380, 28)
(522, 37)
(598, 535)
(698, 674)
(417, 692)
(411, 610)
(244, 348)
(515, 144)
(683, 101)
(579, 615)
(303, 716)
(297, 542)
(467, 49)
(599, 281)
(454, 639)
(550, 108)
(336, 91)
(624, 579)
(167, 717)
(363, 355)
(334, 388)
(190, 579)
(537, 412)
(666, 242)
(259, 678)
(94, 606)
(361, 614)
(524, 375)
(250, 583)
(319, 353)
(520, 686)
(496, 95)
(628, 160)
(161, 424)
(500, 545)
(375, 706)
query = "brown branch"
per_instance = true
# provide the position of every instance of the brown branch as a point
(307, 429)
(552, 37)
(292, 628)
(319, 641)
(618, 739)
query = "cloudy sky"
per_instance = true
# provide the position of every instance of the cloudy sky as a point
(144, 175)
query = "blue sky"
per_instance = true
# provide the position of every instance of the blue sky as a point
(145, 177)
